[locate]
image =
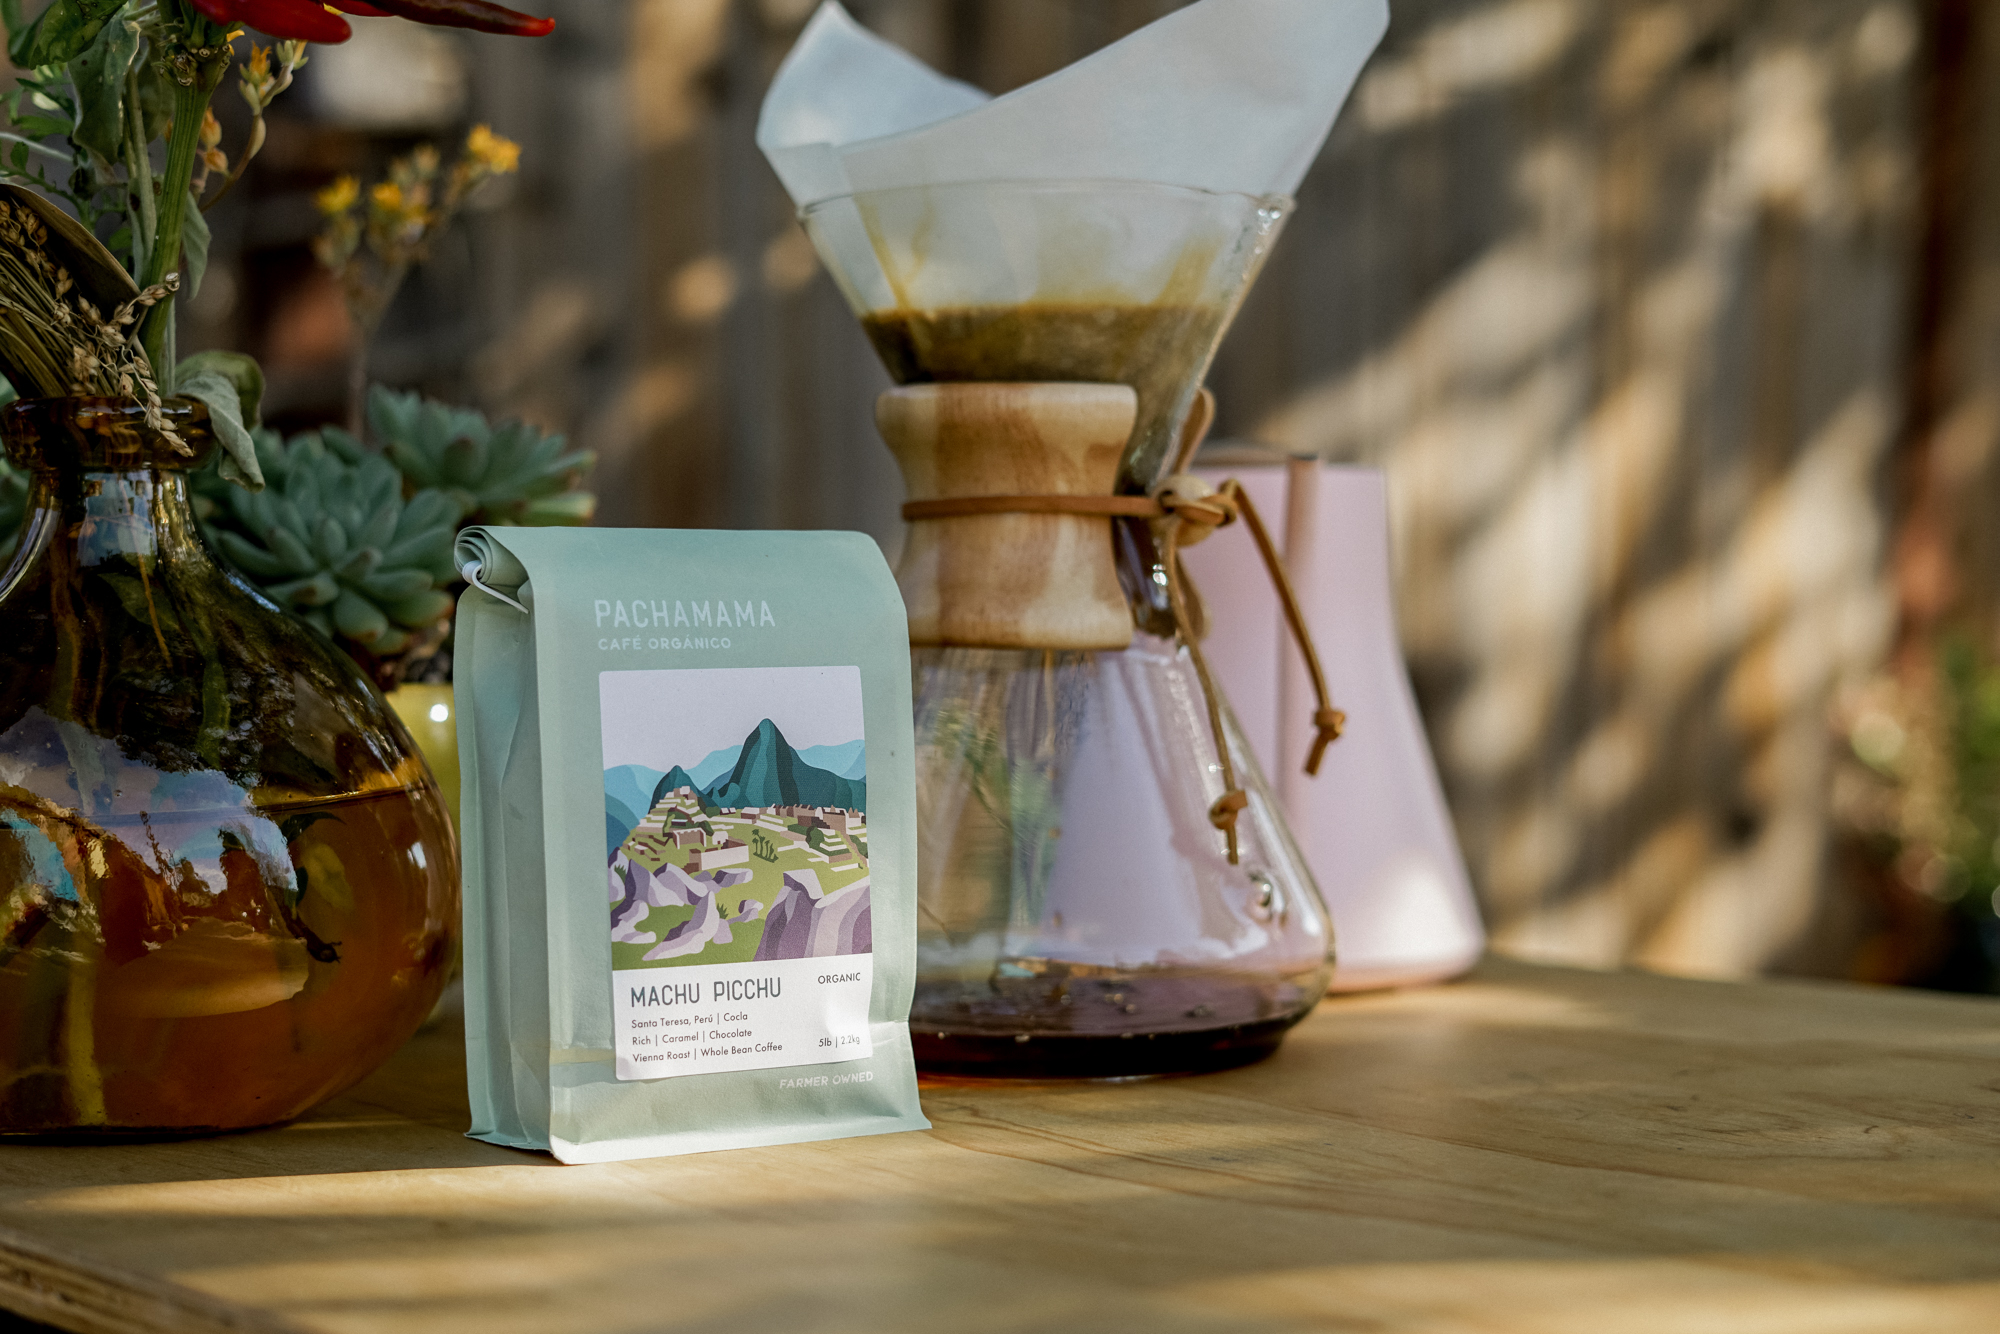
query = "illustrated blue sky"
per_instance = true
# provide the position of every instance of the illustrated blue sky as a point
(677, 716)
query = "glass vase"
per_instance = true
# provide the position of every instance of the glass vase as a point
(228, 886)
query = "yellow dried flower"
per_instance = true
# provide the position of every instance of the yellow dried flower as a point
(494, 153)
(211, 130)
(339, 197)
(386, 197)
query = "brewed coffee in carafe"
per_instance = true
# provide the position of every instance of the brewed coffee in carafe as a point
(1081, 913)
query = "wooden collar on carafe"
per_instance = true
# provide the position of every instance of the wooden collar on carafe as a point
(1033, 569)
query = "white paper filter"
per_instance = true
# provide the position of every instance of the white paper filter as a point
(1228, 95)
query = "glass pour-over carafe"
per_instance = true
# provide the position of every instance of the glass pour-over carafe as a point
(1079, 911)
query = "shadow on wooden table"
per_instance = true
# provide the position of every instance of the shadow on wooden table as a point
(1536, 1150)
(387, 1122)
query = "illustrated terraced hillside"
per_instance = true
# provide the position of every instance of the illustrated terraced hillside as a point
(768, 860)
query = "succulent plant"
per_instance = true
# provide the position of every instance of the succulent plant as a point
(509, 474)
(332, 538)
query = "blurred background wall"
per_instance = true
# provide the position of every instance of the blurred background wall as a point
(1673, 323)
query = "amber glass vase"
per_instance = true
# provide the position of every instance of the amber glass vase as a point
(228, 887)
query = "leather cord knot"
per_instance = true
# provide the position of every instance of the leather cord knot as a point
(1330, 724)
(1200, 508)
(1223, 813)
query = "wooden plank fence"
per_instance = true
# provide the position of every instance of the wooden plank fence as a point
(1664, 318)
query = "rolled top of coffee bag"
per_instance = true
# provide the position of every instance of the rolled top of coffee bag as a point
(490, 567)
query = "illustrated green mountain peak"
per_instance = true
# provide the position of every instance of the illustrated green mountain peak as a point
(769, 772)
(674, 779)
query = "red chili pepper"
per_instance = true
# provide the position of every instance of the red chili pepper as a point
(289, 20)
(478, 15)
(357, 7)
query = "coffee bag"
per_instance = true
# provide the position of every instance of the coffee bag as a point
(689, 840)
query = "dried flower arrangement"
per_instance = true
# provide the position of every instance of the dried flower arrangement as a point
(370, 248)
(100, 84)
(354, 540)
(43, 317)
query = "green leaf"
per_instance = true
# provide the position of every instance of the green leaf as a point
(248, 557)
(358, 618)
(41, 127)
(99, 76)
(59, 34)
(194, 247)
(240, 369)
(430, 552)
(513, 444)
(225, 418)
(344, 446)
(421, 609)
(388, 586)
(289, 549)
(156, 98)
(360, 565)
(315, 590)
(571, 507)
(380, 528)
(18, 156)
(463, 461)
(286, 513)
(392, 415)
(429, 510)
(330, 541)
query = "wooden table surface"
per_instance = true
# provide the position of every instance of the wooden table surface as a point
(1533, 1150)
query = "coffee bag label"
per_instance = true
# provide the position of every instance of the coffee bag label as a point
(736, 846)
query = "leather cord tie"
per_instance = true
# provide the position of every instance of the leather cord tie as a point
(1184, 510)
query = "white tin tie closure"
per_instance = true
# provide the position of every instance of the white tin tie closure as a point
(471, 572)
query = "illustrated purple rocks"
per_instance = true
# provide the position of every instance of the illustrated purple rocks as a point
(807, 923)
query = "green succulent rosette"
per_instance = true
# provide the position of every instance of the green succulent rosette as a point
(505, 474)
(332, 538)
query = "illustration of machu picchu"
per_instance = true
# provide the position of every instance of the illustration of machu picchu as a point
(754, 852)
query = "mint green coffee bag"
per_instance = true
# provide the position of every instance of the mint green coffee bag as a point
(689, 826)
